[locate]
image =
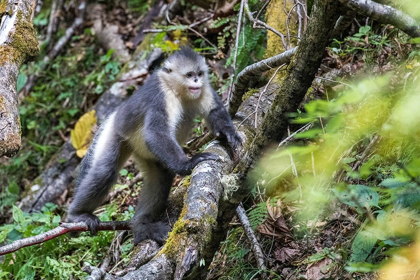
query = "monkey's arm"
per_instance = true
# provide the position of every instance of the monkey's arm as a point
(162, 143)
(220, 123)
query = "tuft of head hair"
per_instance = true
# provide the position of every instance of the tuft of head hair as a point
(187, 53)
(186, 57)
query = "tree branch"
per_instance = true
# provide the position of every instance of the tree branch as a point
(242, 81)
(260, 24)
(255, 246)
(63, 228)
(385, 14)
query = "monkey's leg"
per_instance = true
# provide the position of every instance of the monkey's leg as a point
(153, 197)
(98, 174)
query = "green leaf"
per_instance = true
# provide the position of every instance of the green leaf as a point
(21, 81)
(415, 40)
(348, 160)
(393, 183)
(65, 95)
(18, 215)
(123, 172)
(413, 168)
(56, 219)
(4, 232)
(13, 188)
(311, 133)
(357, 196)
(362, 246)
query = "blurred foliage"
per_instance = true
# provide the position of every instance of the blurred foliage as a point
(362, 152)
(140, 6)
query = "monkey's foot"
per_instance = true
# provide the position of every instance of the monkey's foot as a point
(91, 220)
(157, 231)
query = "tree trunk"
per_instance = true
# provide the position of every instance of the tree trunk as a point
(18, 43)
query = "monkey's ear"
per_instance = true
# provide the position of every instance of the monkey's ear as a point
(166, 70)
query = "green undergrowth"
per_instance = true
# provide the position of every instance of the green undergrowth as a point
(361, 155)
(63, 91)
(62, 257)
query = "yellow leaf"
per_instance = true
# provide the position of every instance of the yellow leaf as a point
(82, 135)
(177, 34)
(172, 46)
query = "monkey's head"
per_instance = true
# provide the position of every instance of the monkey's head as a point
(186, 72)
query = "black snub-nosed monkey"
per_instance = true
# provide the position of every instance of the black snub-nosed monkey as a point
(151, 125)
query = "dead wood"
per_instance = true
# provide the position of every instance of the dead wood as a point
(107, 34)
(53, 21)
(255, 245)
(157, 11)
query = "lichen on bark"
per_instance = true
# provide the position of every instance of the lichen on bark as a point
(24, 39)
(18, 44)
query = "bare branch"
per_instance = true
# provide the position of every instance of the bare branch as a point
(260, 24)
(53, 21)
(255, 245)
(63, 228)
(238, 31)
(253, 70)
(385, 14)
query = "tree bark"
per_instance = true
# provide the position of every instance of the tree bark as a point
(301, 73)
(18, 43)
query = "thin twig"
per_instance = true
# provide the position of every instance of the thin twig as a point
(262, 8)
(189, 27)
(52, 24)
(260, 24)
(238, 31)
(288, 138)
(264, 91)
(300, 17)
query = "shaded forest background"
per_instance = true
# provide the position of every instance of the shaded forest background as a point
(328, 184)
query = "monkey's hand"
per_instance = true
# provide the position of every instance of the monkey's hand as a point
(91, 220)
(229, 135)
(187, 167)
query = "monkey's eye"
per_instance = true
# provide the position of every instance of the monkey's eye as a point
(189, 74)
(200, 74)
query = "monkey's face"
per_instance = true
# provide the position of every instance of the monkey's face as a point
(186, 73)
(193, 84)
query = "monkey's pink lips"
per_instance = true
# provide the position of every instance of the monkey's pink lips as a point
(194, 90)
